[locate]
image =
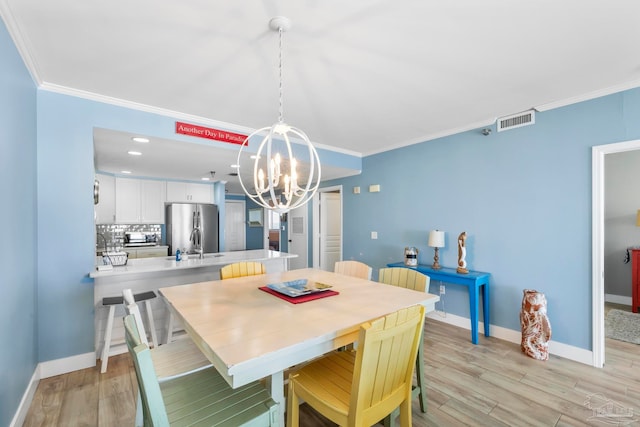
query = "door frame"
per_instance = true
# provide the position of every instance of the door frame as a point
(597, 252)
(316, 222)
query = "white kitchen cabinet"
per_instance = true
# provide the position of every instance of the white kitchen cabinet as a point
(139, 201)
(127, 200)
(152, 198)
(189, 192)
(106, 207)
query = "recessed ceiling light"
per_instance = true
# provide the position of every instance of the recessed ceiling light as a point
(140, 139)
(134, 153)
(204, 178)
(235, 166)
(127, 172)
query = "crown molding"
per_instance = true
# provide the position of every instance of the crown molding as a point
(589, 95)
(64, 90)
(20, 40)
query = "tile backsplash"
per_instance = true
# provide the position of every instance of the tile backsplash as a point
(114, 234)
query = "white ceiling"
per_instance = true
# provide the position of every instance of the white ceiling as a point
(360, 76)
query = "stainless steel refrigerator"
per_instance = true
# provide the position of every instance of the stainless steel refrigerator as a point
(192, 226)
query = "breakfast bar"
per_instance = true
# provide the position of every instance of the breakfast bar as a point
(150, 274)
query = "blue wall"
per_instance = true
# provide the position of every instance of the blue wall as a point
(66, 231)
(18, 351)
(523, 196)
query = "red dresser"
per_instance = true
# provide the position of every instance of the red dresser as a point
(635, 279)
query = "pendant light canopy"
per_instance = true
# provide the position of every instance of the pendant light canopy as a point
(286, 167)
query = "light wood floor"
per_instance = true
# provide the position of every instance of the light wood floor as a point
(489, 384)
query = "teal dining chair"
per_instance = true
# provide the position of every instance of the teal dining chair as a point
(198, 398)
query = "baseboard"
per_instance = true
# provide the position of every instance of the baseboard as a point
(46, 370)
(67, 364)
(618, 299)
(27, 398)
(556, 348)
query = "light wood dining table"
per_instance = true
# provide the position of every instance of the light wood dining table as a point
(249, 334)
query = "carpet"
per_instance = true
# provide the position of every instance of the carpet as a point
(623, 326)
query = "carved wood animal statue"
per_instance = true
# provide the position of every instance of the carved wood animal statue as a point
(536, 329)
(462, 253)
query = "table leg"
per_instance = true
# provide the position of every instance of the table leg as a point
(485, 308)
(473, 307)
(276, 386)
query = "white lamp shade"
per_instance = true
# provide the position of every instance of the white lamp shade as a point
(436, 239)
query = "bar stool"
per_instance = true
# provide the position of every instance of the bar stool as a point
(112, 302)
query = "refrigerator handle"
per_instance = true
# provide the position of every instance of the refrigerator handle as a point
(193, 221)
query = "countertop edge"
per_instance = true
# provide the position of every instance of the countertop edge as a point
(155, 265)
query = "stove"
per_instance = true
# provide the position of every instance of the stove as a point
(137, 238)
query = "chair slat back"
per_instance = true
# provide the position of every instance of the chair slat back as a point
(353, 268)
(383, 370)
(242, 269)
(131, 307)
(155, 413)
(404, 278)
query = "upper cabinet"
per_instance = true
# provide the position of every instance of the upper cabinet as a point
(189, 192)
(106, 207)
(139, 201)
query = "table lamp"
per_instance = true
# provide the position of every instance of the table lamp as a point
(436, 240)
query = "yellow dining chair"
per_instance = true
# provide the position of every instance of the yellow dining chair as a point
(410, 279)
(353, 268)
(362, 387)
(202, 397)
(242, 269)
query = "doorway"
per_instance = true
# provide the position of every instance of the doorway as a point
(272, 228)
(597, 252)
(234, 225)
(327, 227)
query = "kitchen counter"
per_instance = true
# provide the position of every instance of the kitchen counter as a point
(150, 274)
(164, 264)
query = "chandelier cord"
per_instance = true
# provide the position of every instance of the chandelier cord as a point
(268, 190)
(281, 108)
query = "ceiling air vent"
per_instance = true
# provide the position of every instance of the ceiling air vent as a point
(517, 120)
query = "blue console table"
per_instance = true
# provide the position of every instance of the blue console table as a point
(474, 280)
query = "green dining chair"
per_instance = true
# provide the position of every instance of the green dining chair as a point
(199, 398)
(177, 358)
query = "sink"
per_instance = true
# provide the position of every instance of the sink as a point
(214, 255)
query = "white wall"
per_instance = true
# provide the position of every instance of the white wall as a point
(622, 201)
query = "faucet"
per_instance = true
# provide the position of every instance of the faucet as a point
(196, 237)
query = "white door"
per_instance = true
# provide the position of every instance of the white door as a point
(298, 238)
(234, 225)
(330, 230)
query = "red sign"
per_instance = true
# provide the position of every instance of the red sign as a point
(209, 133)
